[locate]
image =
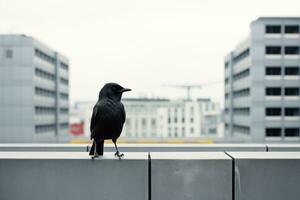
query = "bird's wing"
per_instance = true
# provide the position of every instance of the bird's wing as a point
(94, 117)
(123, 113)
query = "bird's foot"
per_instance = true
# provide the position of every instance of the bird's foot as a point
(119, 155)
(95, 156)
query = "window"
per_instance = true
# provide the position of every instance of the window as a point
(64, 81)
(241, 111)
(273, 91)
(241, 129)
(169, 120)
(273, 50)
(192, 130)
(45, 57)
(175, 120)
(192, 120)
(273, 111)
(64, 96)
(273, 132)
(241, 93)
(45, 75)
(44, 92)
(8, 53)
(241, 56)
(292, 91)
(274, 71)
(291, 50)
(291, 132)
(182, 120)
(273, 29)
(64, 66)
(241, 74)
(291, 71)
(291, 29)
(291, 111)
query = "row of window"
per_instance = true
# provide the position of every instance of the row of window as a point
(44, 74)
(45, 57)
(43, 128)
(277, 91)
(64, 95)
(64, 66)
(277, 111)
(64, 81)
(276, 50)
(241, 74)
(44, 110)
(241, 111)
(64, 125)
(175, 120)
(241, 129)
(44, 92)
(241, 93)
(241, 56)
(64, 110)
(276, 29)
(277, 132)
(277, 70)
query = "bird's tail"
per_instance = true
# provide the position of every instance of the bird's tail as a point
(99, 148)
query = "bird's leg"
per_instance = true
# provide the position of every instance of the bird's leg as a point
(95, 151)
(117, 150)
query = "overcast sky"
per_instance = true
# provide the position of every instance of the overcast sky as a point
(141, 44)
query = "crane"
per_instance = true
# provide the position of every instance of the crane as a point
(189, 87)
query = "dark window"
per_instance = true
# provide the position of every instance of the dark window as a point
(273, 91)
(182, 120)
(273, 111)
(291, 71)
(273, 71)
(242, 93)
(273, 29)
(8, 53)
(291, 132)
(273, 132)
(241, 129)
(241, 74)
(291, 91)
(241, 111)
(169, 120)
(291, 29)
(241, 56)
(273, 50)
(291, 50)
(192, 120)
(175, 119)
(291, 111)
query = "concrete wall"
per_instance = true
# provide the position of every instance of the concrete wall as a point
(60, 175)
(164, 175)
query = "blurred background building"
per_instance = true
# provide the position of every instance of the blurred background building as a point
(34, 91)
(148, 118)
(262, 83)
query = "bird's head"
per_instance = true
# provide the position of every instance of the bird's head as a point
(113, 91)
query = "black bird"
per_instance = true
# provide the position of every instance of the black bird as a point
(108, 118)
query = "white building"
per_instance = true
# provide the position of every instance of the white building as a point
(34, 91)
(163, 118)
(262, 82)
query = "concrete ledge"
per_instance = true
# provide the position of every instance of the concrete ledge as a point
(193, 175)
(72, 175)
(283, 147)
(266, 175)
(44, 147)
(185, 147)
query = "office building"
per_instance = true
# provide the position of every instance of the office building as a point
(262, 82)
(34, 91)
(164, 118)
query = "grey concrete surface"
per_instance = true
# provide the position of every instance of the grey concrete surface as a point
(44, 147)
(185, 147)
(266, 176)
(72, 175)
(193, 175)
(283, 147)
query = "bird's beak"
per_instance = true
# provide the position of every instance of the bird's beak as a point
(125, 90)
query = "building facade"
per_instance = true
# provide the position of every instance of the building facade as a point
(34, 91)
(164, 118)
(262, 83)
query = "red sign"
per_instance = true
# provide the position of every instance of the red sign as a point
(77, 129)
